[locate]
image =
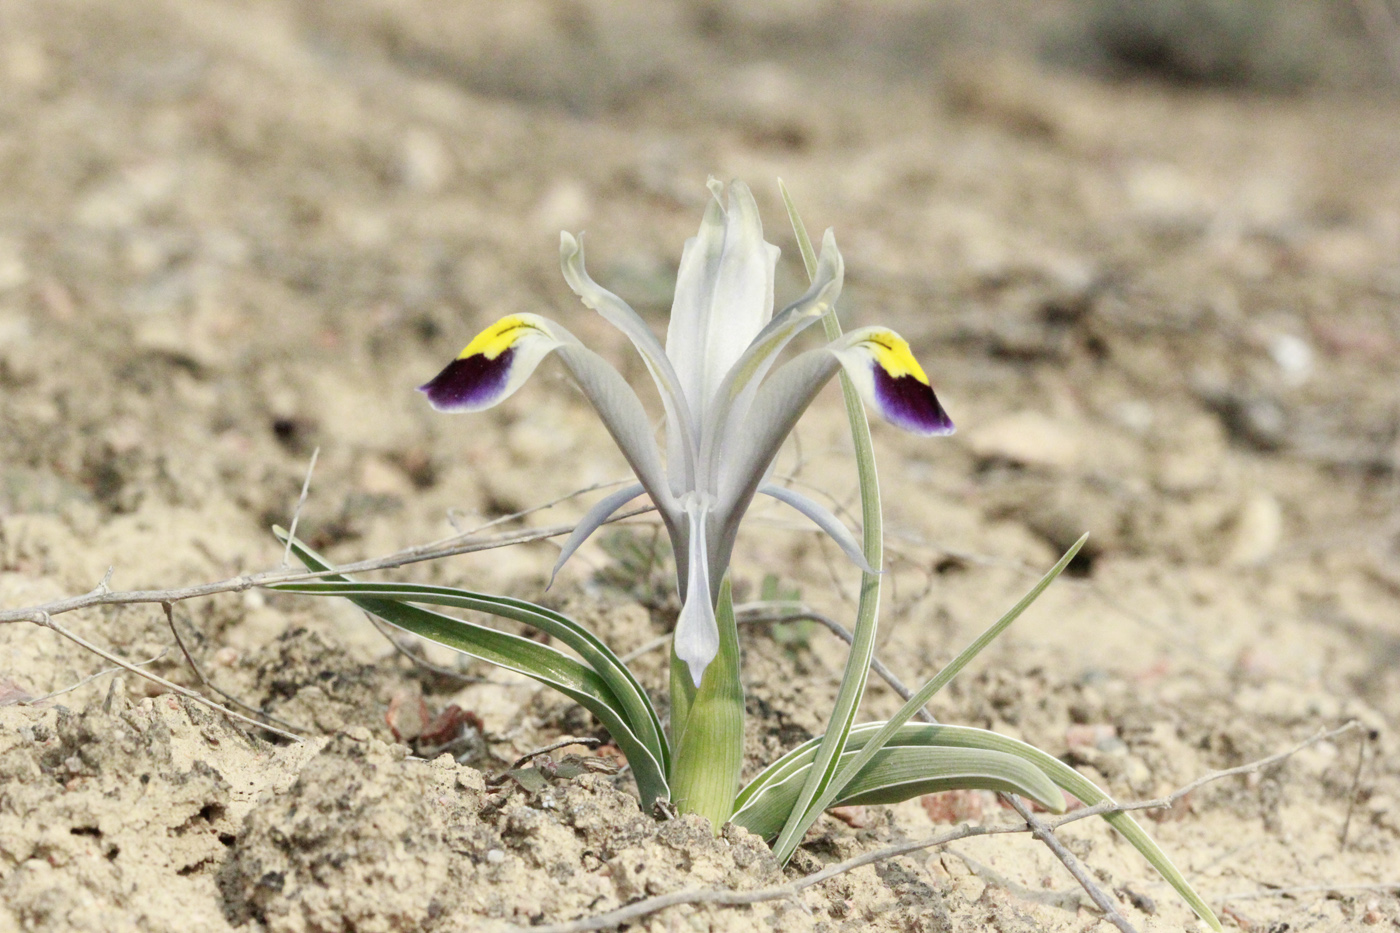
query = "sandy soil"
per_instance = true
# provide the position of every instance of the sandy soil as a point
(232, 232)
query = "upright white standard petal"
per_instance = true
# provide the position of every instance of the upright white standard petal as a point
(724, 295)
(728, 416)
(696, 641)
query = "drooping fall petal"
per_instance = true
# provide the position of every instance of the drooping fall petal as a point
(893, 383)
(591, 522)
(787, 392)
(499, 360)
(493, 365)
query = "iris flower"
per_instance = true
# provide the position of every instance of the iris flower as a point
(728, 410)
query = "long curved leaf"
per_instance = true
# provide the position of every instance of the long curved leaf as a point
(930, 734)
(597, 655)
(788, 842)
(1085, 789)
(898, 773)
(913, 734)
(553, 668)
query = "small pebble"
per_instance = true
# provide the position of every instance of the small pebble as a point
(1294, 357)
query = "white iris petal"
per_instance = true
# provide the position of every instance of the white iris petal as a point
(726, 413)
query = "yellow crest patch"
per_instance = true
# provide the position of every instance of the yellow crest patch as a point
(891, 351)
(498, 338)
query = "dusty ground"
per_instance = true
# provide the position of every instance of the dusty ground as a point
(233, 232)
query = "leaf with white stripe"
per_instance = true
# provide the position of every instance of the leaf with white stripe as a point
(632, 722)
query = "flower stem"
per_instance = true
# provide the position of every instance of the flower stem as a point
(709, 734)
(857, 669)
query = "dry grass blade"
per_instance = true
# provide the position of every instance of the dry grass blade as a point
(204, 679)
(45, 620)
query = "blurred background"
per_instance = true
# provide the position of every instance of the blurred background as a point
(1148, 251)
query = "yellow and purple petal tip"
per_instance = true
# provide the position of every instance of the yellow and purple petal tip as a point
(480, 376)
(470, 383)
(901, 389)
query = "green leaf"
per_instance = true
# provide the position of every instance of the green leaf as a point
(553, 668)
(852, 767)
(857, 671)
(710, 740)
(636, 705)
(751, 800)
(1081, 787)
(912, 734)
(899, 772)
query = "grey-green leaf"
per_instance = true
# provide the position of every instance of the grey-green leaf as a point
(898, 773)
(1081, 787)
(580, 682)
(793, 832)
(929, 734)
(635, 702)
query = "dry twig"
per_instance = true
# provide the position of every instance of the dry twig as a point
(529, 756)
(35, 701)
(47, 621)
(203, 678)
(102, 596)
(1352, 796)
(1165, 803)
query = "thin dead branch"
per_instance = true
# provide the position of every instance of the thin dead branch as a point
(204, 679)
(1165, 803)
(531, 755)
(35, 701)
(1355, 791)
(102, 596)
(1046, 834)
(516, 516)
(721, 898)
(45, 620)
(1070, 900)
